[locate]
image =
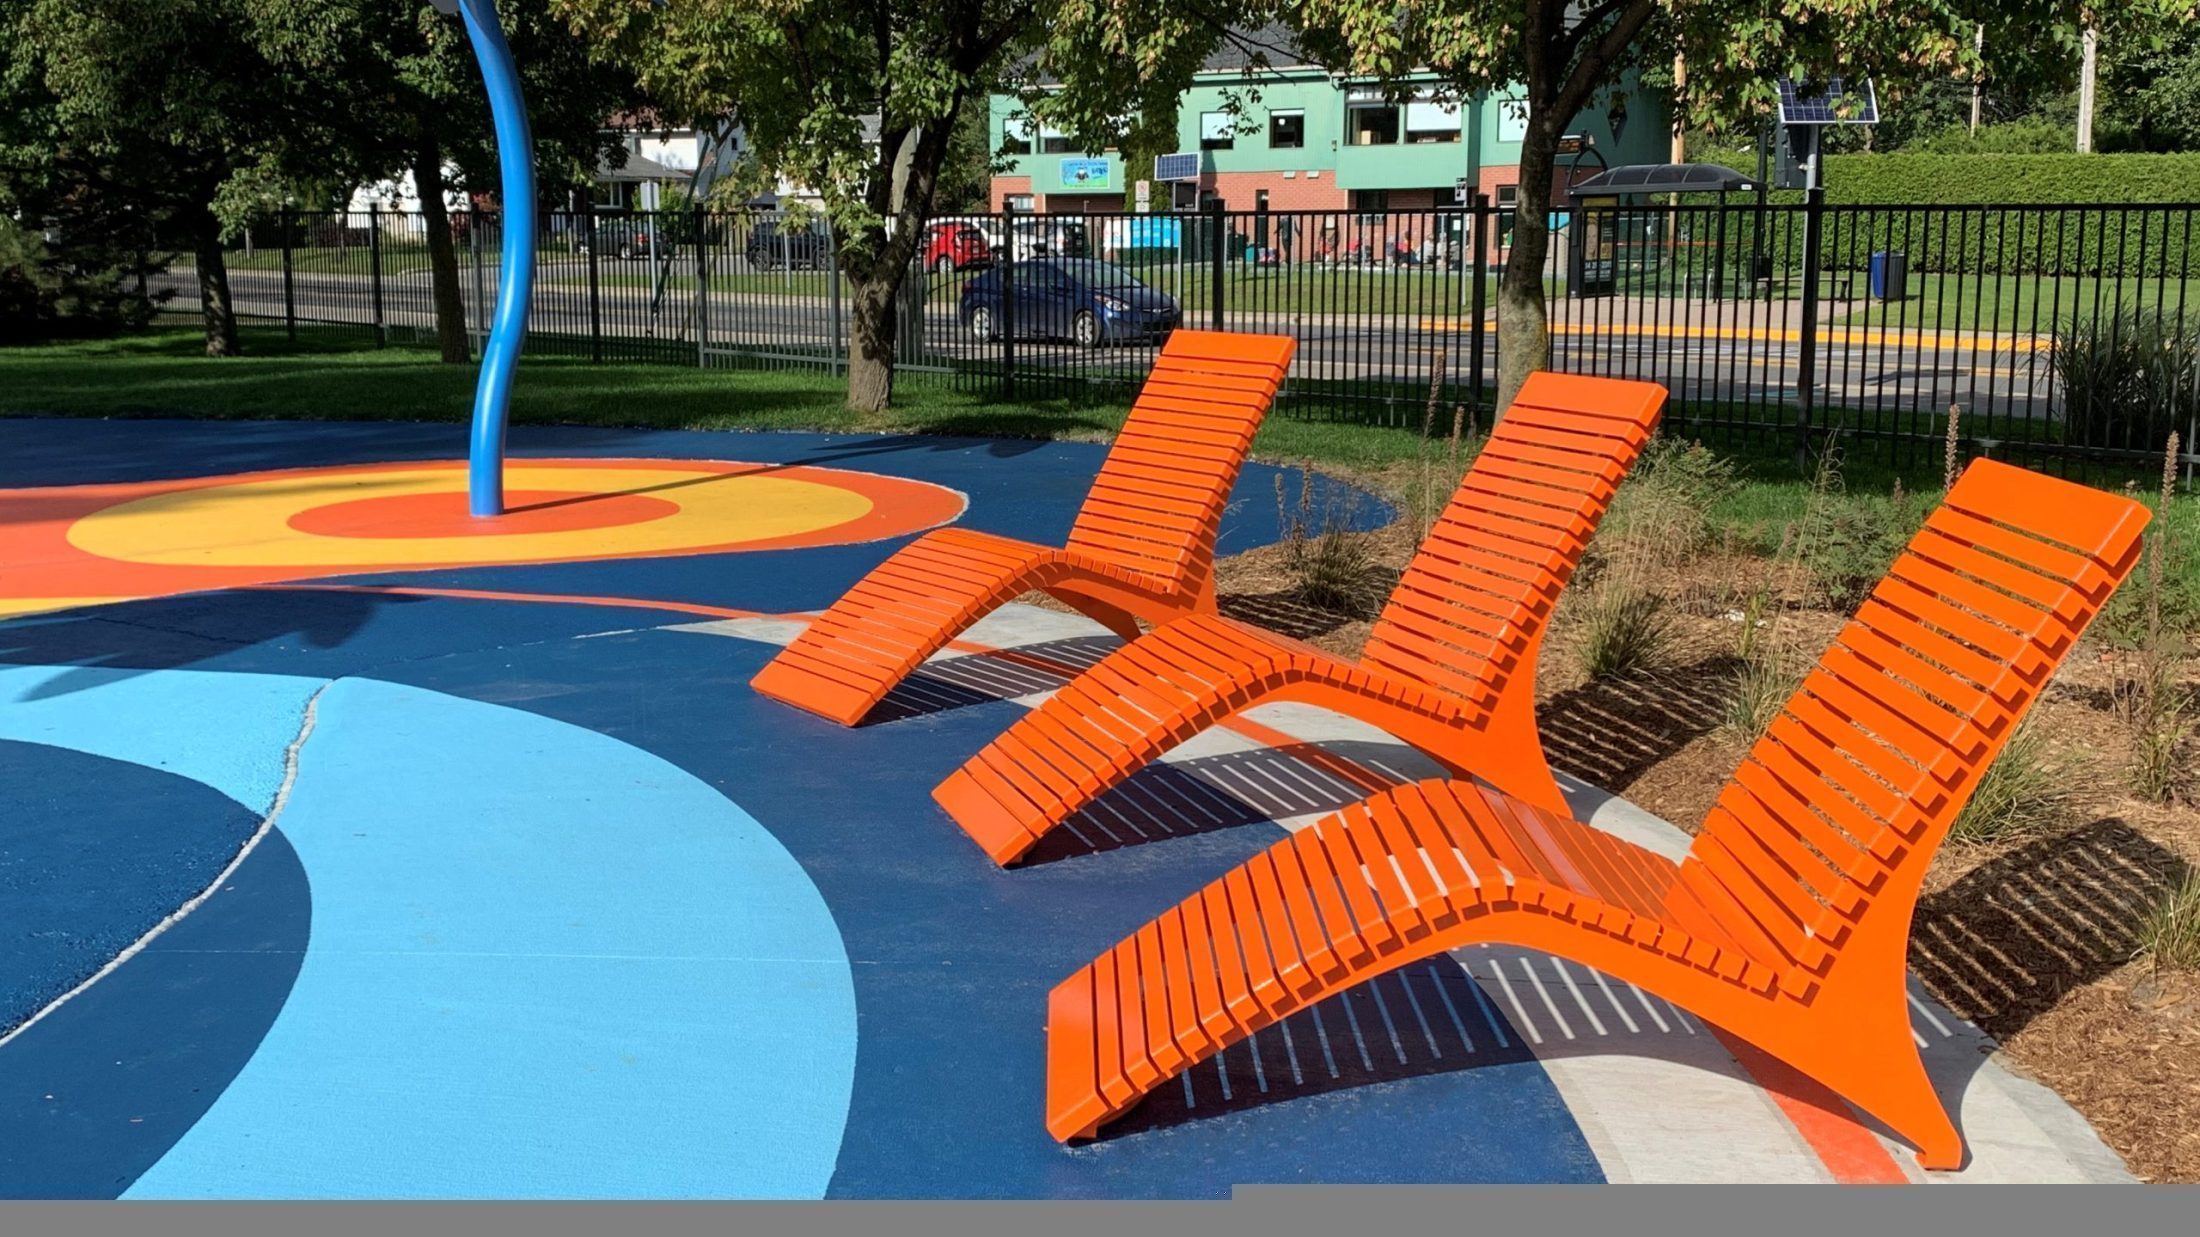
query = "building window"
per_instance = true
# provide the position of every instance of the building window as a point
(1217, 131)
(1371, 201)
(1508, 195)
(1053, 141)
(1371, 124)
(1287, 130)
(1016, 136)
(1021, 203)
(1429, 121)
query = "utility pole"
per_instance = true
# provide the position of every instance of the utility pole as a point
(2085, 91)
(1680, 138)
(1978, 75)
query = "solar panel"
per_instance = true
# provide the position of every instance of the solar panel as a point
(1824, 108)
(1176, 167)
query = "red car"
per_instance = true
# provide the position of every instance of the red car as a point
(955, 247)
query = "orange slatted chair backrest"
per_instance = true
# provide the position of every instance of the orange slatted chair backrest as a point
(1155, 506)
(1842, 803)
(1470, 609)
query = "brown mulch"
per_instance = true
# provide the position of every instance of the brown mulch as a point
(2032, 937)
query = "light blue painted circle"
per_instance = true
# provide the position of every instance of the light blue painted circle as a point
(544, 963)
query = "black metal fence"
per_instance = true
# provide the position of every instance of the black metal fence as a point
(2061, 335)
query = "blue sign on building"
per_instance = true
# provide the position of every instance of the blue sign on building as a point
(1086, 174)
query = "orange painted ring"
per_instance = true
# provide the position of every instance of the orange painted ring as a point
(86, 544)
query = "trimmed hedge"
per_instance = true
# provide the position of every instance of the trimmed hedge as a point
(2133, 216)
(2003, 180)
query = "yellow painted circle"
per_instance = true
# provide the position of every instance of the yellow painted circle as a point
(246, 523)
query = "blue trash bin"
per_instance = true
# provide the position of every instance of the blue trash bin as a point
(1890, 272)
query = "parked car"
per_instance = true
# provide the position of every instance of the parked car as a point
(1051, 238)
(1081, 299)
(772, 245)
(624, 236)
(954, 246)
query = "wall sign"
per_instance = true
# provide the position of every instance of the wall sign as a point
(1087, 175)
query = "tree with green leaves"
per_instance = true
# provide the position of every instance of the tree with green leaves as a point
(805, 78)
(1561, 55)
(161, 105)
(394, 88)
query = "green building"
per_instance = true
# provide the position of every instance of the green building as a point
(1317, 142)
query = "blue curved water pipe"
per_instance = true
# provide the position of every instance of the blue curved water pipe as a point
(516, 285)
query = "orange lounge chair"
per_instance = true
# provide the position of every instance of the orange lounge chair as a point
(1788, 921)
(1142, 547)
(1449, 668)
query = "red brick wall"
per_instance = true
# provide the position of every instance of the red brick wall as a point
(1238, 190)
(1003, 186)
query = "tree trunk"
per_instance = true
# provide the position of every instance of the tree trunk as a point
(1523, 330)
(450, 302)
(214, 306)
(875, 311)
(909, 172)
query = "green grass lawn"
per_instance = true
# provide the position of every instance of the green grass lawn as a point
(162, 372)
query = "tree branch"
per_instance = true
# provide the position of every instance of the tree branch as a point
(1592, 64)
(1593, 19)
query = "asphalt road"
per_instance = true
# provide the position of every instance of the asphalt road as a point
(1736, 352)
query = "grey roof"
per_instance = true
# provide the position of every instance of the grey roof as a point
(1663, 178)
(638, 168)
(1272, 41)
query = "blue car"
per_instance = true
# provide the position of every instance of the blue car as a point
(1081, 299)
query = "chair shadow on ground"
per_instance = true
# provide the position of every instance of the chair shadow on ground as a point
(1424, 1019)
(1607, 733)
(1180, 798)
(982, 678)
(1284, 614)
(2004, 943)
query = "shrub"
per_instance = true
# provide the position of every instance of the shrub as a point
(1941, 210)
(55, 288)
(1761, 687)
(2175, 539)
(2153, 700)
(2128, 379)
(2170, 934)
(1667, 499)
(1844, 543)
(1992, 177)
(2026, 787)
(1627, 628)
(1331, 566)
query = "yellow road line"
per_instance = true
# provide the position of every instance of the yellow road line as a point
(1839, 336)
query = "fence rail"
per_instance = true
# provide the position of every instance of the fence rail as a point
(2065, 336)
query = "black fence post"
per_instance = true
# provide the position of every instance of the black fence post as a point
(290, 289)
(1008, 305)
(701, 232)
(1477, 330)
(1806, 355)
(595, 299)
(479, 319)
(1215, 240)
(374, 262)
